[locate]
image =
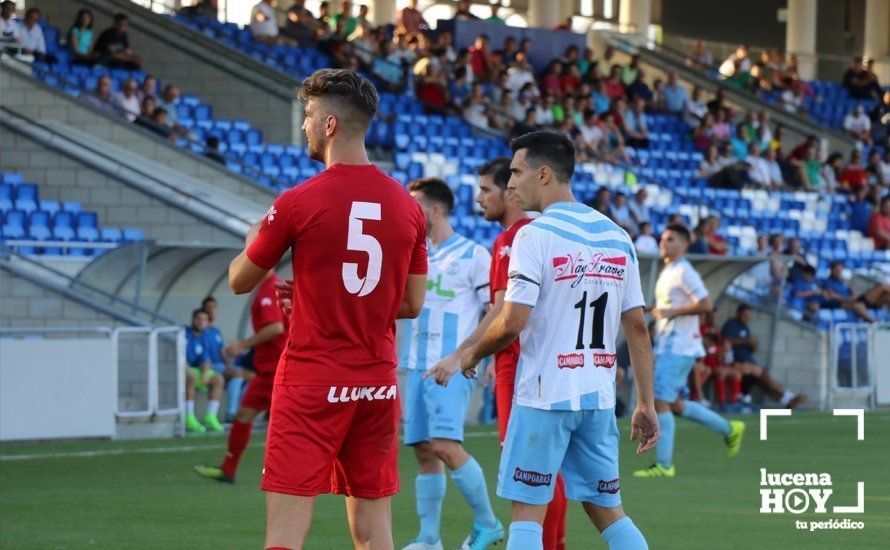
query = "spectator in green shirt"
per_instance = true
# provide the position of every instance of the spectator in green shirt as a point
(344, 23)
(494, 15)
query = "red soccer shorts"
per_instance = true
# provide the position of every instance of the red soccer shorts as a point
(258, 395)
(333, 439)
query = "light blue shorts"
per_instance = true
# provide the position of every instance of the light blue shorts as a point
(434, 411)
(671, 373)
(583, 445)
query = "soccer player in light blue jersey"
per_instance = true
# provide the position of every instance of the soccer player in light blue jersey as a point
(456, 296)
(574, 280)
(680, 297)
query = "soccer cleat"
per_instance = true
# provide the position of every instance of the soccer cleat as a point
(797, 401)
(479, 539)
(657, 470)
(734, 439)
(192, 425)
(418, 544)
(212, 423)
(210, 472)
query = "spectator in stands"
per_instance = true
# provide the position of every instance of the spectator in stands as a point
(32, 39)
(343, 22)
(759, 169)
(737, 334)
(699, 244)
(711, 163)
(614, 86)
(629, 71)
(602, 202)
(588, 136)
(635, 125)
(494, 17)
(101, 98)
(778, 267)
(792, 99)
(738, 61)
(717, 103)
(639, 210)
(148, 88)
(601, 101)
(127, 100)
(831, 170)
(113, 46)
(409, 20)
(147, 106)
(696, 109)
(551, 82)
(9, 29)
(879, 225)
(658, 104)
(639, 89)
(479, 55)
(157, 122)
(544, 107)
(856, 80)
(880, 121)
(645, 242)
(621, 214)
(853, 174)
(838, 294)
(809, 172)
(462, 12)
(80, 39)
(613, 143)
(207, 9)
(675, 96)
(878, 168)
(700, 57)
(859, 209)
(717, 245)
(520, 74)
(324, 14)
(858, 125)
(212, 150)
(770, 158)
(301, 26)
(526, 126)
(739, 143)
(264, 22)
(570, 80)
(722, 130)
(475, 107)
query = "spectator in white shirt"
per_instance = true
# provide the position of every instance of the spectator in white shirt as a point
(475, 107)
(544, 107)
(831, 170)
(646, 243)
(589, 136)
(758, 170)
(696, 109)
(520, 74)
(263, 22)
(770, 158)
(9, 29)
(792, 99)
(700, 57)
(858, 125)
(31, 36)
(639, 210)
(728, 68)
(128, 101)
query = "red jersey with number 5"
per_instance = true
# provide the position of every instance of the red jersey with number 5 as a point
(355, 234)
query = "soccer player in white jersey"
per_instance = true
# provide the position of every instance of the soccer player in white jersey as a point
(680, 296)
(456, 296)
(574, 278)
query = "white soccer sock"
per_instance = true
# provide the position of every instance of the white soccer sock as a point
(213, 407)
(190, 406)
(787, 397)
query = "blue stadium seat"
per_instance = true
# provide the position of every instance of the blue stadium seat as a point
(132, 234)
(13, 178)
(111, 234)
(5, 197)
(72, 207)
(26, 197)
(39, 225)
(14, 225)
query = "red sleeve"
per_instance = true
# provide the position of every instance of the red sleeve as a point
(501, 263)
(275, 236)
(269, 312)
(419, 264)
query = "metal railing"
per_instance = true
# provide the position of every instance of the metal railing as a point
(853, 359)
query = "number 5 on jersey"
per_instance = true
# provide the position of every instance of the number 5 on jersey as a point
(362, 242)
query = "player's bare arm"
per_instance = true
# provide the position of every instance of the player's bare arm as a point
(500, 334)
(412, 302)
(244, 275)
(702, 306)
(265, 334)
(644, 424)
(452, 361)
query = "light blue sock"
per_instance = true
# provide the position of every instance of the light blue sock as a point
(430, 489)
(233, 394)
(664, 449)
(624, 535)
(706, 417)
(526, 535)
(471, 482)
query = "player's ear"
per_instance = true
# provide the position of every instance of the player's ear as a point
(545, 174)
(331, 125)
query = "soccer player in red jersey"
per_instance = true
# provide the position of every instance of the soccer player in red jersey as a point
(268, 341)
(358, 246)
(500, 205)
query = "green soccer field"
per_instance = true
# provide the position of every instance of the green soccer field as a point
(143, 494)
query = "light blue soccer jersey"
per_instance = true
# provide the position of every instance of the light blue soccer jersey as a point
(456, 293)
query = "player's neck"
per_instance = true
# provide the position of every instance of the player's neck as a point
(440, 233)
(348, 153)
(512, 216)
(560, 195)
(668, 260)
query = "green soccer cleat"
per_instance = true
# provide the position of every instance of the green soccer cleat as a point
(656, 470)
(734, 439)
(192, 425)
(216, 474)
(479, 539)
(212, 423)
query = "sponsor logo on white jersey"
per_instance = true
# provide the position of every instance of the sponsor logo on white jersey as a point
(606, 360)
(576, 268)
(570, 360)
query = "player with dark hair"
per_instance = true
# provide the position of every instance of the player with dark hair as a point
(574, 277)
(268, 340)
(680, 297)
(200, 375)
(499, 204)
(456, 296)
(358, 245)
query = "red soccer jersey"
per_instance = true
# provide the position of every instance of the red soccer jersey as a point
(264, 311)
(507, 358)
(355, 234)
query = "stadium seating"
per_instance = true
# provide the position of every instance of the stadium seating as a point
(25, 217)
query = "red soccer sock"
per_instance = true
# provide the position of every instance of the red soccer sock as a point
(735, 390)
(238, 439)
(720, 389)
(555, 520)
